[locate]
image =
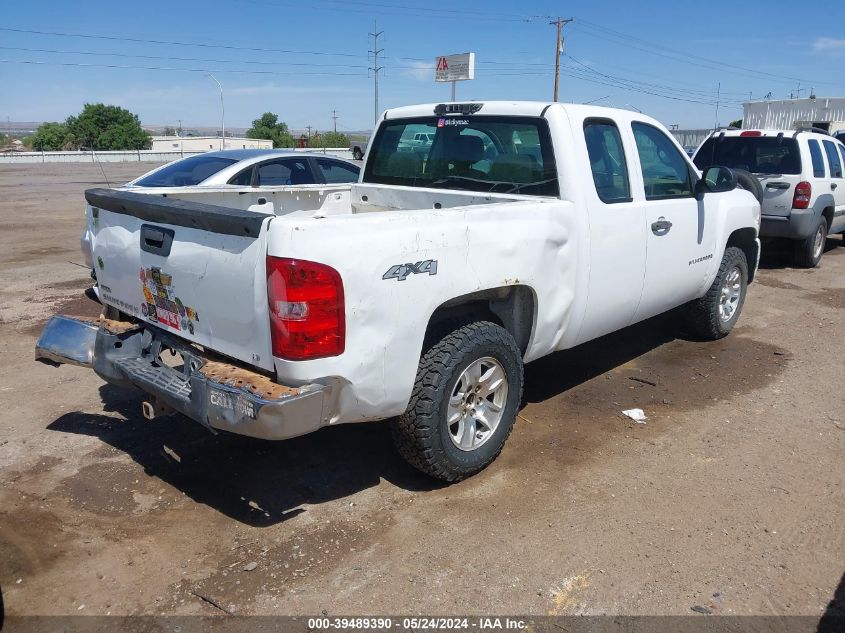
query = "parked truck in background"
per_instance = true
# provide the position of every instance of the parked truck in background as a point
(418, 293)
(358, 146)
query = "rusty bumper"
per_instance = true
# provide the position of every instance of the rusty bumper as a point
(216, 394)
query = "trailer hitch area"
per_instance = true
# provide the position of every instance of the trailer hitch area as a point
(156, 409)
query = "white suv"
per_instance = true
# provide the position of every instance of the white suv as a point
(802, 178)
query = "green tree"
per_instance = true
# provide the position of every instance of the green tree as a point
(329, 139)
(737, 123)
(106, 127)
(269, 127)
(50, 137)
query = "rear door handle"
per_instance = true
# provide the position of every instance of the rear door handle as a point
(661, 227)
(833, 185)
(777, 185)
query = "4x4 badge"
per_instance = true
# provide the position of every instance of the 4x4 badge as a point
(400, 272)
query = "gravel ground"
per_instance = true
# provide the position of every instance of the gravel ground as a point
(729, 499)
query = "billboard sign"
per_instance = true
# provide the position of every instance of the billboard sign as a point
(455, 67)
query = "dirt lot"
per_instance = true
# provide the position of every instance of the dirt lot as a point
(729, 498)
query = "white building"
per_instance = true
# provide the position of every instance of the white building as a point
(827, 113)
(206, 143)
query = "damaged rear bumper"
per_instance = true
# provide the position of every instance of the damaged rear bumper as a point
(215, 394)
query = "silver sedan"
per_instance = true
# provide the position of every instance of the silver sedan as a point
(251, 168)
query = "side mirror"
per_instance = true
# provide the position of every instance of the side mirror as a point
(715, 180)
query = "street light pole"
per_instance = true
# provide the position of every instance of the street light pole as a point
(222, 113)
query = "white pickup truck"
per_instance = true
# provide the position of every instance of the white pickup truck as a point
(417, 293)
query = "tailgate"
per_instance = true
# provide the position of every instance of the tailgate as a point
(778, 190)
(195, 270)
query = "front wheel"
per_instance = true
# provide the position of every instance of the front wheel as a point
(464, 402)
(715, 314)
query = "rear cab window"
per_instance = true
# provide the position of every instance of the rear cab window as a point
(498, 154)
(607, 161)
(757, 154)
(833, 159)
(666, 173)
(186, 172)
(816, 156)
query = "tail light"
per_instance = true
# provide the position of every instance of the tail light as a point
(801, 198)
(751, 133)
(307, 317)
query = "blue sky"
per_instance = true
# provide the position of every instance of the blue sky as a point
(665, 60)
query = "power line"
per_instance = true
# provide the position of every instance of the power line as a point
(180, 59)
(616, 37)
(176, 43)
(646, 84)
(404, 10)
(189, 70)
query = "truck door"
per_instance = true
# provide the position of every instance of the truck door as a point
(680, 233)
(617, 245)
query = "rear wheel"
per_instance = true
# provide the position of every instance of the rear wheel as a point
(715, 314)
(464, 402)
(809, 251)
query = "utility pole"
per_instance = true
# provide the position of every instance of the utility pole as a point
(308, 127)
(375, 67)
(718, 98)
(560, 23)
(222, 113)
(180, 126)
(334, 120)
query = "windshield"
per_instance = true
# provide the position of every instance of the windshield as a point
(476, 153)
(757, 154)
(186, 172)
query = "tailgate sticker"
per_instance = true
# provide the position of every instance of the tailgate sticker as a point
(161, 303)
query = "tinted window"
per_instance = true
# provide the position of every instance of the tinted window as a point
(842, 152)
(818, 161)
(243, 179)
(607, 161)
(186, 172)
(285, 171)
(666, 173)
(833, 159)
(475, 153)
(335, 171)
(757, 154)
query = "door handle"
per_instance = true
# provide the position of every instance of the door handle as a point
(156, 240)
(661, 227)
(777, 185)
(833, 185)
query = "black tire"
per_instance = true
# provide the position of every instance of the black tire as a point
(807, 253)
(703, 315)
(357, 154)
(422, 434)
(748, 181)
